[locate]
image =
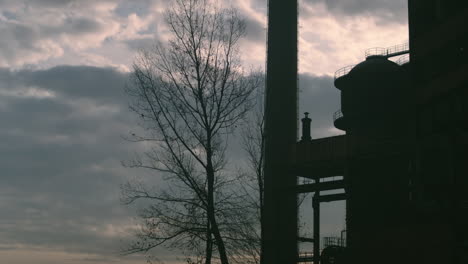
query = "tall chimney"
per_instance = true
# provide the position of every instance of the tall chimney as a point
(306, 127)
(279, 242)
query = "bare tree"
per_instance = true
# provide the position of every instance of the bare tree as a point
(253, 136)
(253, 140)
(189, 94)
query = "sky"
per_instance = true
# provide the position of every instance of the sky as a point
(64, 114)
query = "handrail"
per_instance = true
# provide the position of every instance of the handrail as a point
(400, 49)
(305, 256)
(337, 114)
(333, 241)
(388, 51)
(343, 71)
(376, 51)
(403, 59)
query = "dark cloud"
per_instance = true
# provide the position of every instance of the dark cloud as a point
(255, 31)
(140, 7)
(321, 99)
(61, 155)
(77, 26)
(139, 44)
(103, 84)
(61, 134)
(37, 30)
(384, 10)
(86, 106)
(61, 158)
(18, 40)
(65, 3)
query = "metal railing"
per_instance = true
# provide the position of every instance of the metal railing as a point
(398, 48)
(333, 241)
(304, 257)
(343, 71)
(376, 51)
(388, 51)
(403, 59)
(401, 49)
(337, 114)
(306, 254)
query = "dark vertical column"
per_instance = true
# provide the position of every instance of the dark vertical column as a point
(316, 208)
(280, 237)
(412, 26)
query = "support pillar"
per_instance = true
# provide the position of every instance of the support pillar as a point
(316, 208)
(279, 243)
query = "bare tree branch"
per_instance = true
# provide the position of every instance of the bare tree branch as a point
(189, 94)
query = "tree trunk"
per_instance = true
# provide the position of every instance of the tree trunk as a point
(261, 184)
(211, 210)
(209, 243)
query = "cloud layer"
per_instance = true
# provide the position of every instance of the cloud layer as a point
(63, 68)
(62, 145)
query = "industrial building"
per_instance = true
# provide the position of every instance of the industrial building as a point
(404, 157)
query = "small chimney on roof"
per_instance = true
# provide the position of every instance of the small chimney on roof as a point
(306, 127)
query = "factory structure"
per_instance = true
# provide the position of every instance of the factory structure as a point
(404, 155)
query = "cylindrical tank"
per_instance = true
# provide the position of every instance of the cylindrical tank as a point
(375, 103)
(372, 92)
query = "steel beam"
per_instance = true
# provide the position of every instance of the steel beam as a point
(332, 197)
(305, 239)
(322, 186)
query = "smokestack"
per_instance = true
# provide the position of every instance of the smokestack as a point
(279, 242)
(306, 127)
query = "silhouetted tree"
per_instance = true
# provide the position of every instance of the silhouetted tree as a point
(189, 94)
(253, 136)
(253, 144)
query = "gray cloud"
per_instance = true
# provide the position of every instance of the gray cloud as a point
(259, 5)
(255, 31)
(384, 10)
(74, 26)
(321, 99)
(62, 3)
(139, 7)
(139, 44)
(61, 155)
(103, 84)
(61, 150)
(37, 30)
(61, 130)
(18, 41)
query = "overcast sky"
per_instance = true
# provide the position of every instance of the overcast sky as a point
(63, 113)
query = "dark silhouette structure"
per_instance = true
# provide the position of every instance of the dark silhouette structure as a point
(279, 241)
(404, 157)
